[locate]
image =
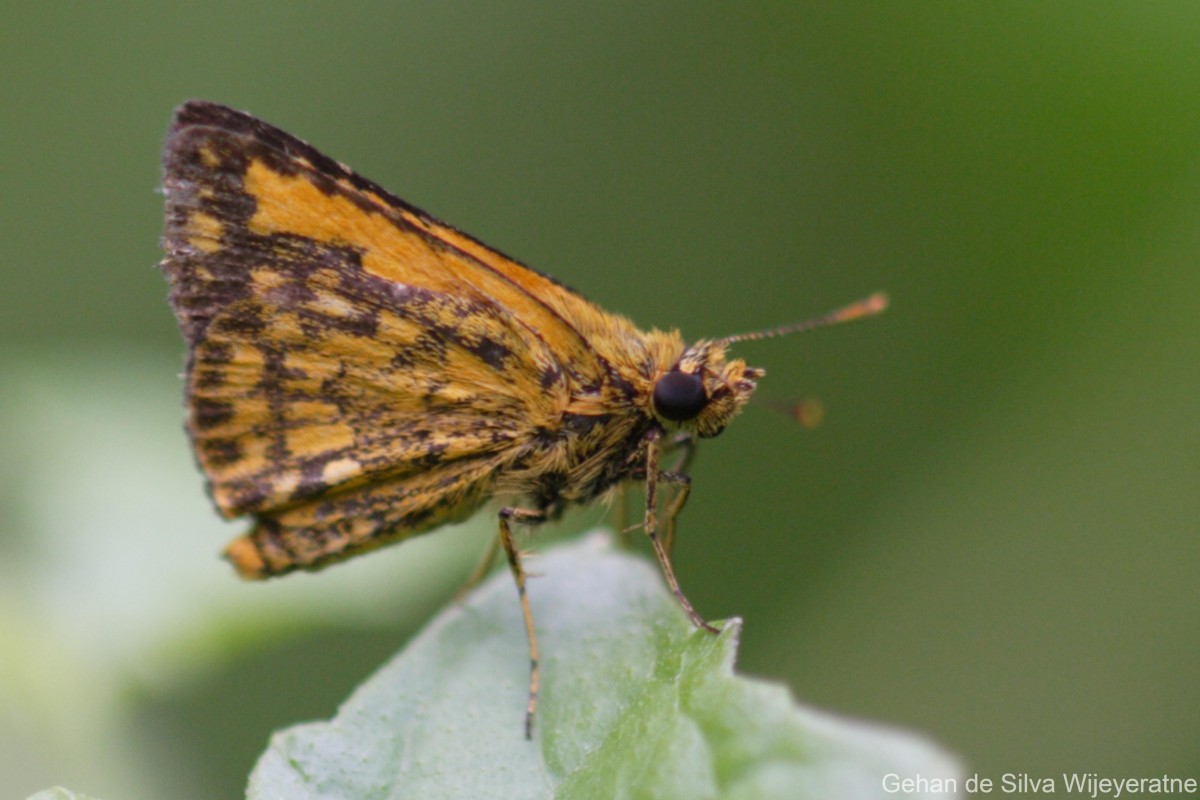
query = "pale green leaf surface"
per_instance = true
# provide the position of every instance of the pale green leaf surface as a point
(59, 793)
(635, 703)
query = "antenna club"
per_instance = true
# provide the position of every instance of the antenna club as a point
(867, 307)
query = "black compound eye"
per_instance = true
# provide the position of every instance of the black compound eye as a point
(679, 396)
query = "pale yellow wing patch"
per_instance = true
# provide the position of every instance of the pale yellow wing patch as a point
(300, 390)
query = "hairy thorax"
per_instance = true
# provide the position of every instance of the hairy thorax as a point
(577, 459)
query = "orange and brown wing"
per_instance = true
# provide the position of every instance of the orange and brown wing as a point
(353, 374)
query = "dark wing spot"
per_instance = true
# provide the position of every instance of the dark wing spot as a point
(208, 413)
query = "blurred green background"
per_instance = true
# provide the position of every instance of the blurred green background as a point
(995, 536)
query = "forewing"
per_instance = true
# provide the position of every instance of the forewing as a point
(612, 342)
(280, 188)
(335, 344)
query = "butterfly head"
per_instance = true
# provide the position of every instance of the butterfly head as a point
(702, 392)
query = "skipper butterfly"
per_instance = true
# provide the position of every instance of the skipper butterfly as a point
(359, 372)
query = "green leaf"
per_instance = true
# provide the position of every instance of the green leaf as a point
(58, 793)
(635, 703)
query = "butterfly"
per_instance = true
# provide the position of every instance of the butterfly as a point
(359, 372)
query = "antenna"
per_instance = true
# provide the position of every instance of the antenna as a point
(867, 307)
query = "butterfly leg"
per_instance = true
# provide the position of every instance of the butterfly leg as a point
(481, 569)
(528, 517)
(620, 515)
(651, 528)
(684, 482)
(685, 443)
(680, 440)
(678, 476)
